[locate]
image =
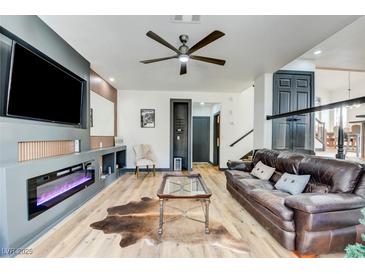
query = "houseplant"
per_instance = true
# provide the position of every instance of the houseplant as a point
(357, 250)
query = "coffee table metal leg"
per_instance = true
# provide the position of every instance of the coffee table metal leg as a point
(207, 202)
(160, 228)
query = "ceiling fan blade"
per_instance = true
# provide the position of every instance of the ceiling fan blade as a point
(157, 38)
(183, 68)
(157, 59)
(208, 60)
(207, 40)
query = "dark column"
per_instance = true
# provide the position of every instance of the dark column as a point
(340, 141)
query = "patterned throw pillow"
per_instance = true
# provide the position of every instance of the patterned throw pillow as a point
(262, 171)
(293, 184)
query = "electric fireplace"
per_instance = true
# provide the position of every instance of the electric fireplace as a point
(48, 190)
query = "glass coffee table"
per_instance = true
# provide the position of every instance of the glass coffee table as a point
(189, 187)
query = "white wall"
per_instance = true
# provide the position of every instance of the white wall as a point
(199, 110)
(236, 120)
(103, 115)
(263, 107)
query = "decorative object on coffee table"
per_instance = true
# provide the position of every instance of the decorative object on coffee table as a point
(190, 187)
(147, 118)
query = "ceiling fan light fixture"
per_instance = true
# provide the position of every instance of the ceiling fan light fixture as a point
(184, 53)
(184, 58)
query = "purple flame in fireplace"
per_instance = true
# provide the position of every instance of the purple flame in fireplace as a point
(56, 191)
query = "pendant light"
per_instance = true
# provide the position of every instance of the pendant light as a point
(349, 91)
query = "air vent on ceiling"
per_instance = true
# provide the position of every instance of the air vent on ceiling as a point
(186, 19)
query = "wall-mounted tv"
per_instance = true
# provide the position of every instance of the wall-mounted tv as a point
(40, 89)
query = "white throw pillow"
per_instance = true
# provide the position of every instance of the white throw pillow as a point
(293, 184)
(262, 171)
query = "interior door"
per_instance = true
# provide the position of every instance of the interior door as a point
(216, 138)
(293, 91)
(201, 139)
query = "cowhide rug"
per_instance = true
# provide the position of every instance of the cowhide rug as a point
(139, 220)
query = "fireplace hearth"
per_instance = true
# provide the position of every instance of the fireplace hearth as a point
(48, 190)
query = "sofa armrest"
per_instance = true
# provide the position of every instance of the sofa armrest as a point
(240, 165)
(319, 202)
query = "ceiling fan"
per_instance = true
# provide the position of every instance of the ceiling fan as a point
(184, 53)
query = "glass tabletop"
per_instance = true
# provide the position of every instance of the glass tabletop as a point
(183, 186)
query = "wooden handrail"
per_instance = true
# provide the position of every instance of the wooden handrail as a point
(239, 139)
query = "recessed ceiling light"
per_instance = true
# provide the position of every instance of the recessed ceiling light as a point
(111, 79)
(317, 52)
(202, 103)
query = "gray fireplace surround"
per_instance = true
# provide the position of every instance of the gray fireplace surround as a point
(16, 230)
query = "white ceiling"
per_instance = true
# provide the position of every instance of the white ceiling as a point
(345, 49)
(253, 45)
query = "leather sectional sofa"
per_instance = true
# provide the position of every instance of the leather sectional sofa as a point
(322, 219)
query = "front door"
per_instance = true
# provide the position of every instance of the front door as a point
(201, 139)
(293, 91)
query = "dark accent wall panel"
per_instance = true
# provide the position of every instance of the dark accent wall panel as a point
(38, 35)
(104, 89)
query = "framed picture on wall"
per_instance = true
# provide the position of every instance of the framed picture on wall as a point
(147, 118)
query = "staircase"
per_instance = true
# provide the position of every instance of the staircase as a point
(248, 155)
(320, 135)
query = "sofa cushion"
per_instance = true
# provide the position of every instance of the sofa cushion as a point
(266, 156)
(288, 162)
(342, 176)
(241, 165)
(291, 183)
(274, 201)
(262, 171)
(248, 184)
(276, 176)
(360, 188)
(317, 202)
(317, 188)
(238, 174)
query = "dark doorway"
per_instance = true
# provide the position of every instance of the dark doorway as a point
(201, 139)
(293, 90)
(180, 144)
(216, 138)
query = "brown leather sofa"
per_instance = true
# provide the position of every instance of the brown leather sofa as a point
(322, 219)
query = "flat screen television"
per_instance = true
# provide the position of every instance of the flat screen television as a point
(40, 89)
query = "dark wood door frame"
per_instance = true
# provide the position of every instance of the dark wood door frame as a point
(216, 136)
(189, 126)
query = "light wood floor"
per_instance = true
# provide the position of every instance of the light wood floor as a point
(73, 237)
